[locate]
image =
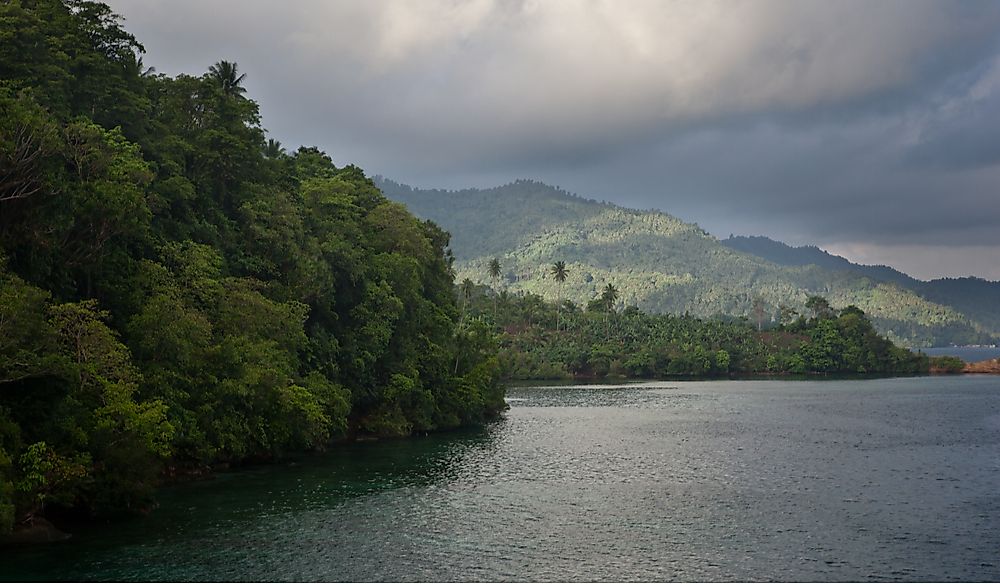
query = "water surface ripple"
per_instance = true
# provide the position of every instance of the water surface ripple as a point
(738, 480)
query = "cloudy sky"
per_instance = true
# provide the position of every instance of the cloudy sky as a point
(871, 129)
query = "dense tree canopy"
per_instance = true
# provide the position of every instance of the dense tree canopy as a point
(177, 290)
(603, 340)
(664, 265)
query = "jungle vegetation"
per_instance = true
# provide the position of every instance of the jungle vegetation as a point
(664, 265)
(974, 297)
(605, 338)
(177, 290)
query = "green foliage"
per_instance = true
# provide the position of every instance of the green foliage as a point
(175, 289)
(45, 476)
(606, 343)
(663, 265)
(973, 297)
(947, 364)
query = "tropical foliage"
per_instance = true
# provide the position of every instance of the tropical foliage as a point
(604, 340)
(178, 291)
(663, 265)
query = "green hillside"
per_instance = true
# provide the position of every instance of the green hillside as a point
(660, 263)
(976, 298)
(178, 292)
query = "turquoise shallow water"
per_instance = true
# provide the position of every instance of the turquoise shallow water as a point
(894, 479)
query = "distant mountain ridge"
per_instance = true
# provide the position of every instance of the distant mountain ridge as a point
(977, 298)
(659, 262)
(786, 255)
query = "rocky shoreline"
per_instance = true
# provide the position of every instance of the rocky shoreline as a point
(987, 366)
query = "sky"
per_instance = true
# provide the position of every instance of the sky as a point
(871, 129)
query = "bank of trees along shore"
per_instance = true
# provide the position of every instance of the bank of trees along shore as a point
(176, 290)
(544, 340)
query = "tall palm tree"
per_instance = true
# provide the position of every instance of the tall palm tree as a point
(758, 312)
(143, 70)
(273, 149)
(466, 289)
(608, 297)
(559, 272)
(495, 271)
(228, 77)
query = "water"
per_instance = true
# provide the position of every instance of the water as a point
(967, 354)
(744, 480)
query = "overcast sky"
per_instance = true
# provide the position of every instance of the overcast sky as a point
(871, 129)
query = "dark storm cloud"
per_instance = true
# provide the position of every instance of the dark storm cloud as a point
(856, 125)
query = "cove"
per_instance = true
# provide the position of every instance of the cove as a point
(878, 479)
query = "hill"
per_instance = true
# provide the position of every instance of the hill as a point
(177, 291)
(977, 298)
(660, 263)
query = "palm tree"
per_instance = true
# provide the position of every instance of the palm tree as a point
(143, 70)
(495, 271)
(466, 289)
(608, 297)
(758, 312)
(273, 149)
(559, 272)
(227, 75)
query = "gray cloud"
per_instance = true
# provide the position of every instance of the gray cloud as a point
(868, 126)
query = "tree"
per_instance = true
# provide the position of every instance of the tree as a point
(786, 315)
(274, 149)
(608, 298)
(758, 312)
(494, 271)
(28, 138)
(559, 272)
(228, 78)
(465, 289)
(819, 306)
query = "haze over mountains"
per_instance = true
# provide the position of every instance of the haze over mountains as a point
(662, 264)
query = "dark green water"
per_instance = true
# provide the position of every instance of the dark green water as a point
(746, 480)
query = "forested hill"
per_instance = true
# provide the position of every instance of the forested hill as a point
(178, 291)
(658, 262)
(977, 298)
(786, 255)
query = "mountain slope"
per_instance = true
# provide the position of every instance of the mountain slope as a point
(786, 255)
(658, 262)
(977, 298)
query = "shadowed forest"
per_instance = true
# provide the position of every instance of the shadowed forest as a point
(177, 290)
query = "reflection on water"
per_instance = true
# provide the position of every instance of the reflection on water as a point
(750, 480)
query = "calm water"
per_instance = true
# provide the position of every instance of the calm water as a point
(967, 354)
(745, 480)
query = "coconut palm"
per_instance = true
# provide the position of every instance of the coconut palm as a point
(559, 272)
(608, 297)
(494, 270)
(273, 149)
(466, 289)
(227, 75)
(143, 70)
